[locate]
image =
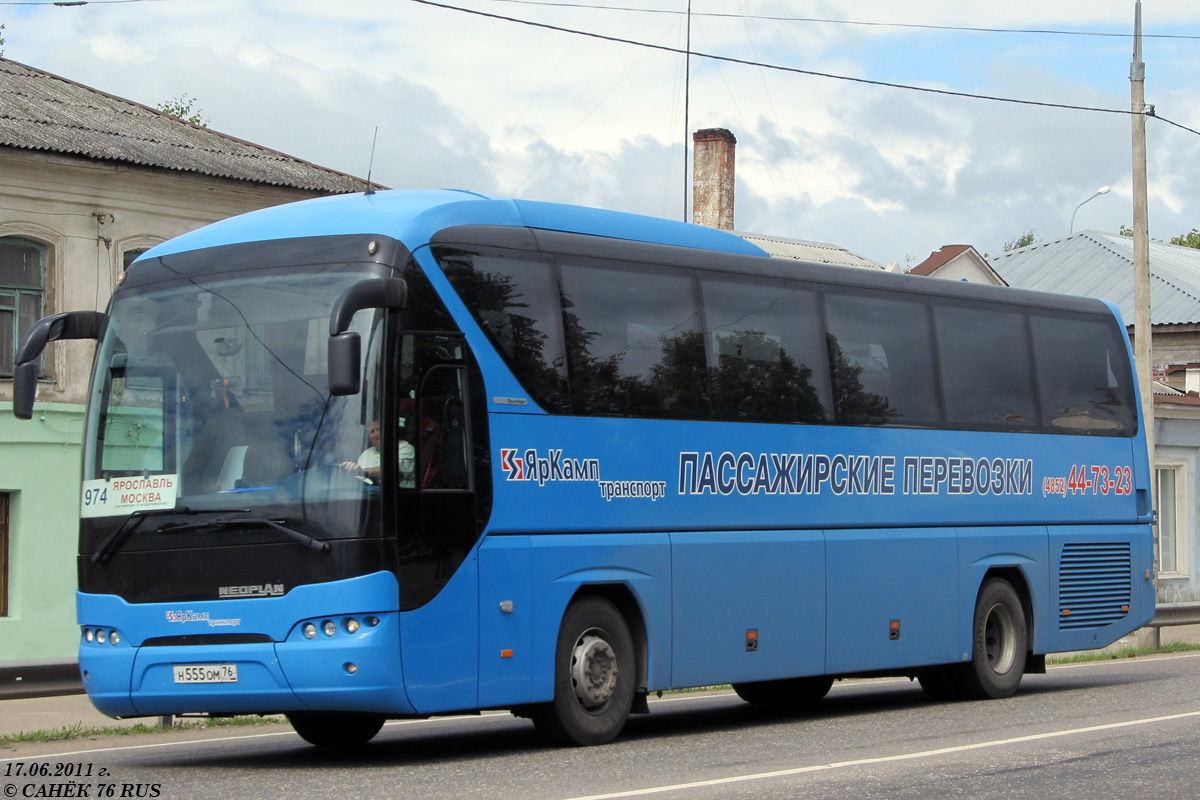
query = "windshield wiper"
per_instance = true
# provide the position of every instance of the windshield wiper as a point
(134, 521)
(306, 540)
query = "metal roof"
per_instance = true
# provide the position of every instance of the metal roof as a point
(40, 111)
(1094, 264)
(800, 250)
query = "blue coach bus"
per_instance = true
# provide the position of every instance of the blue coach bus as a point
(409, 453)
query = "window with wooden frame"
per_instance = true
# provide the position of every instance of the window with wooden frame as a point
(22, 294)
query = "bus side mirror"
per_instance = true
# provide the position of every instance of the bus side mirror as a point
(345, 348)
(345, 353)
(69, 325)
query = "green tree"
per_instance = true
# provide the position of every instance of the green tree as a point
(1190, 239)
(183, 108)
(1024, 240)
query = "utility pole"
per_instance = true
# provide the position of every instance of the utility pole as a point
(1141, 254)
(687, 99)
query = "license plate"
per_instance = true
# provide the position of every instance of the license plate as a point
(206, 673)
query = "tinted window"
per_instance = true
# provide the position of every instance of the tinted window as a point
(513, 296)
(633, 340)
(766, 359)
(1084, 376)
(987, 378)
(881, 360)
(608, 337)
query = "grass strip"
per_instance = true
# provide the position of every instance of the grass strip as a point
(81, 731)
(1125, 652)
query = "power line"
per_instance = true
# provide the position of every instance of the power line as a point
(773, 18)
(1152, 115)
(777, 67)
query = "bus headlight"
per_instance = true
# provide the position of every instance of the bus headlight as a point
(351, 625)
(89, 635)
(310, 630)
(329, 626)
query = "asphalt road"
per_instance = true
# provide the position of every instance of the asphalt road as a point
(1109, 729)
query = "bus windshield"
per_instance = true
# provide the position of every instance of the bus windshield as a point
(211, 394)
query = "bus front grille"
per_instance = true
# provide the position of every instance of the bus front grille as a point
(1094, 586)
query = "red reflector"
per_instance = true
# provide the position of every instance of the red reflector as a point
(1066, 612)
(506, 653)
(1125, 609)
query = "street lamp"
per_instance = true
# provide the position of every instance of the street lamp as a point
(1100, 191)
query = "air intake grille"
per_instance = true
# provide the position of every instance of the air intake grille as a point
(1094, 585)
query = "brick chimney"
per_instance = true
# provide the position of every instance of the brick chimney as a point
(712, 178)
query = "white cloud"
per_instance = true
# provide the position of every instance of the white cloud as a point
(467, 102)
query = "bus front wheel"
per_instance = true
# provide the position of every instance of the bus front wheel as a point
(594, 676)
(1000, 640)
(335, 730)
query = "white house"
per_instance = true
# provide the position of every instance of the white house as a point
(87, 182)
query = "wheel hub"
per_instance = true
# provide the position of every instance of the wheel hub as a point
(999, 637)
(593, 671)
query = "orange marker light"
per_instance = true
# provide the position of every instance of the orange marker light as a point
(506, 653)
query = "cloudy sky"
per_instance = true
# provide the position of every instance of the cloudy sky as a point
(493, 105)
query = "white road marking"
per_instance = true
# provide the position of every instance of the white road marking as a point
(858, 762)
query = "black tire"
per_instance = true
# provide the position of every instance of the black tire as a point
(790, 692)
(1000, 642)
(335, 730)
(594, 676)
(941, 683)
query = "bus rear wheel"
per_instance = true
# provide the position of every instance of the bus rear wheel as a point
(594, 676)
(1000, 641)
(335, 730)
(790, 692)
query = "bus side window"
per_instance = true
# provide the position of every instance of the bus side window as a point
(1085, 395)
(881, 359)
(514, 296)
(634, 345)
(987, 375)
(765, 351)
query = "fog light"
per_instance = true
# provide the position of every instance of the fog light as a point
(114, 637)
(310, 630)
(89, 635)
(352, 625)
(101, 636)
(350, 668)
(329, 627)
